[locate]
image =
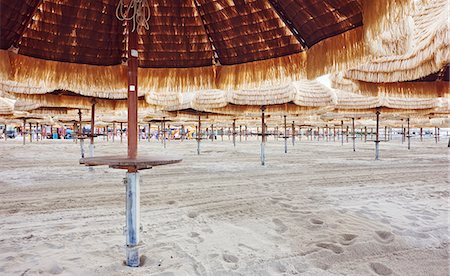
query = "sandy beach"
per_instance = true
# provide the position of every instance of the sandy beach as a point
(320, 209)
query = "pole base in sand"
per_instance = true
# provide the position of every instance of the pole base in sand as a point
(263, 154)
(377, 150)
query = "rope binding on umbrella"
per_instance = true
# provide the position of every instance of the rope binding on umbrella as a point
(137, 11)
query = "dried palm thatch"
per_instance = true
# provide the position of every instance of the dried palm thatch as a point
(191, 45)
(34, 108)
(6, 106)
(396, 40)
(293, 98)
(70, 100)
(202, 101)
(430, 89)
(349, 100)
(430, 54)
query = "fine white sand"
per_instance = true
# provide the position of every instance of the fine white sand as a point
(320, 209)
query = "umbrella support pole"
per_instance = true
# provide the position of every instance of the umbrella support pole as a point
(285, 135)
(82, 147)
(263, 137)
(199, 134)
(23, 131)
(132, 227)
(353, 134)
(377, 140)
(409, 136)
(262, 154)
(234, 132)
(377, 150)
(293, 133)
(435, 135)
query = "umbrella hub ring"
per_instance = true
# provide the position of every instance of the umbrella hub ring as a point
(137, 11)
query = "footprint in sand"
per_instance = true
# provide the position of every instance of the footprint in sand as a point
(196, 237)
(347, 239)
(281, 227)
(384, 236)
(380, 269)
(316, 221)
(192, 214)
(171, 202)
(335, 248)
(230, 258)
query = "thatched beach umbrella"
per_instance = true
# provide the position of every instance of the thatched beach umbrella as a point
(79, 46)
(300, 97)
(354, 105)
(198, 104)
(423, 70)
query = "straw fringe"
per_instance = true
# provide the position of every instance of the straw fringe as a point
(86, 80)
(63, 101)
(406, 89)
(5, 66)
(158, 80)
(274, 71)
(348, 100)
(336, 53)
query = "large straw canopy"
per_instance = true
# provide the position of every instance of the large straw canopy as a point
(80, 46)
(426, 62)
(352, 105)
(293, 98)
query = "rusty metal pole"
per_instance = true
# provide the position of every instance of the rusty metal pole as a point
(132, 91)
(377, 140)
(234, 132)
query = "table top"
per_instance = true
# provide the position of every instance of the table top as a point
(123, 162)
